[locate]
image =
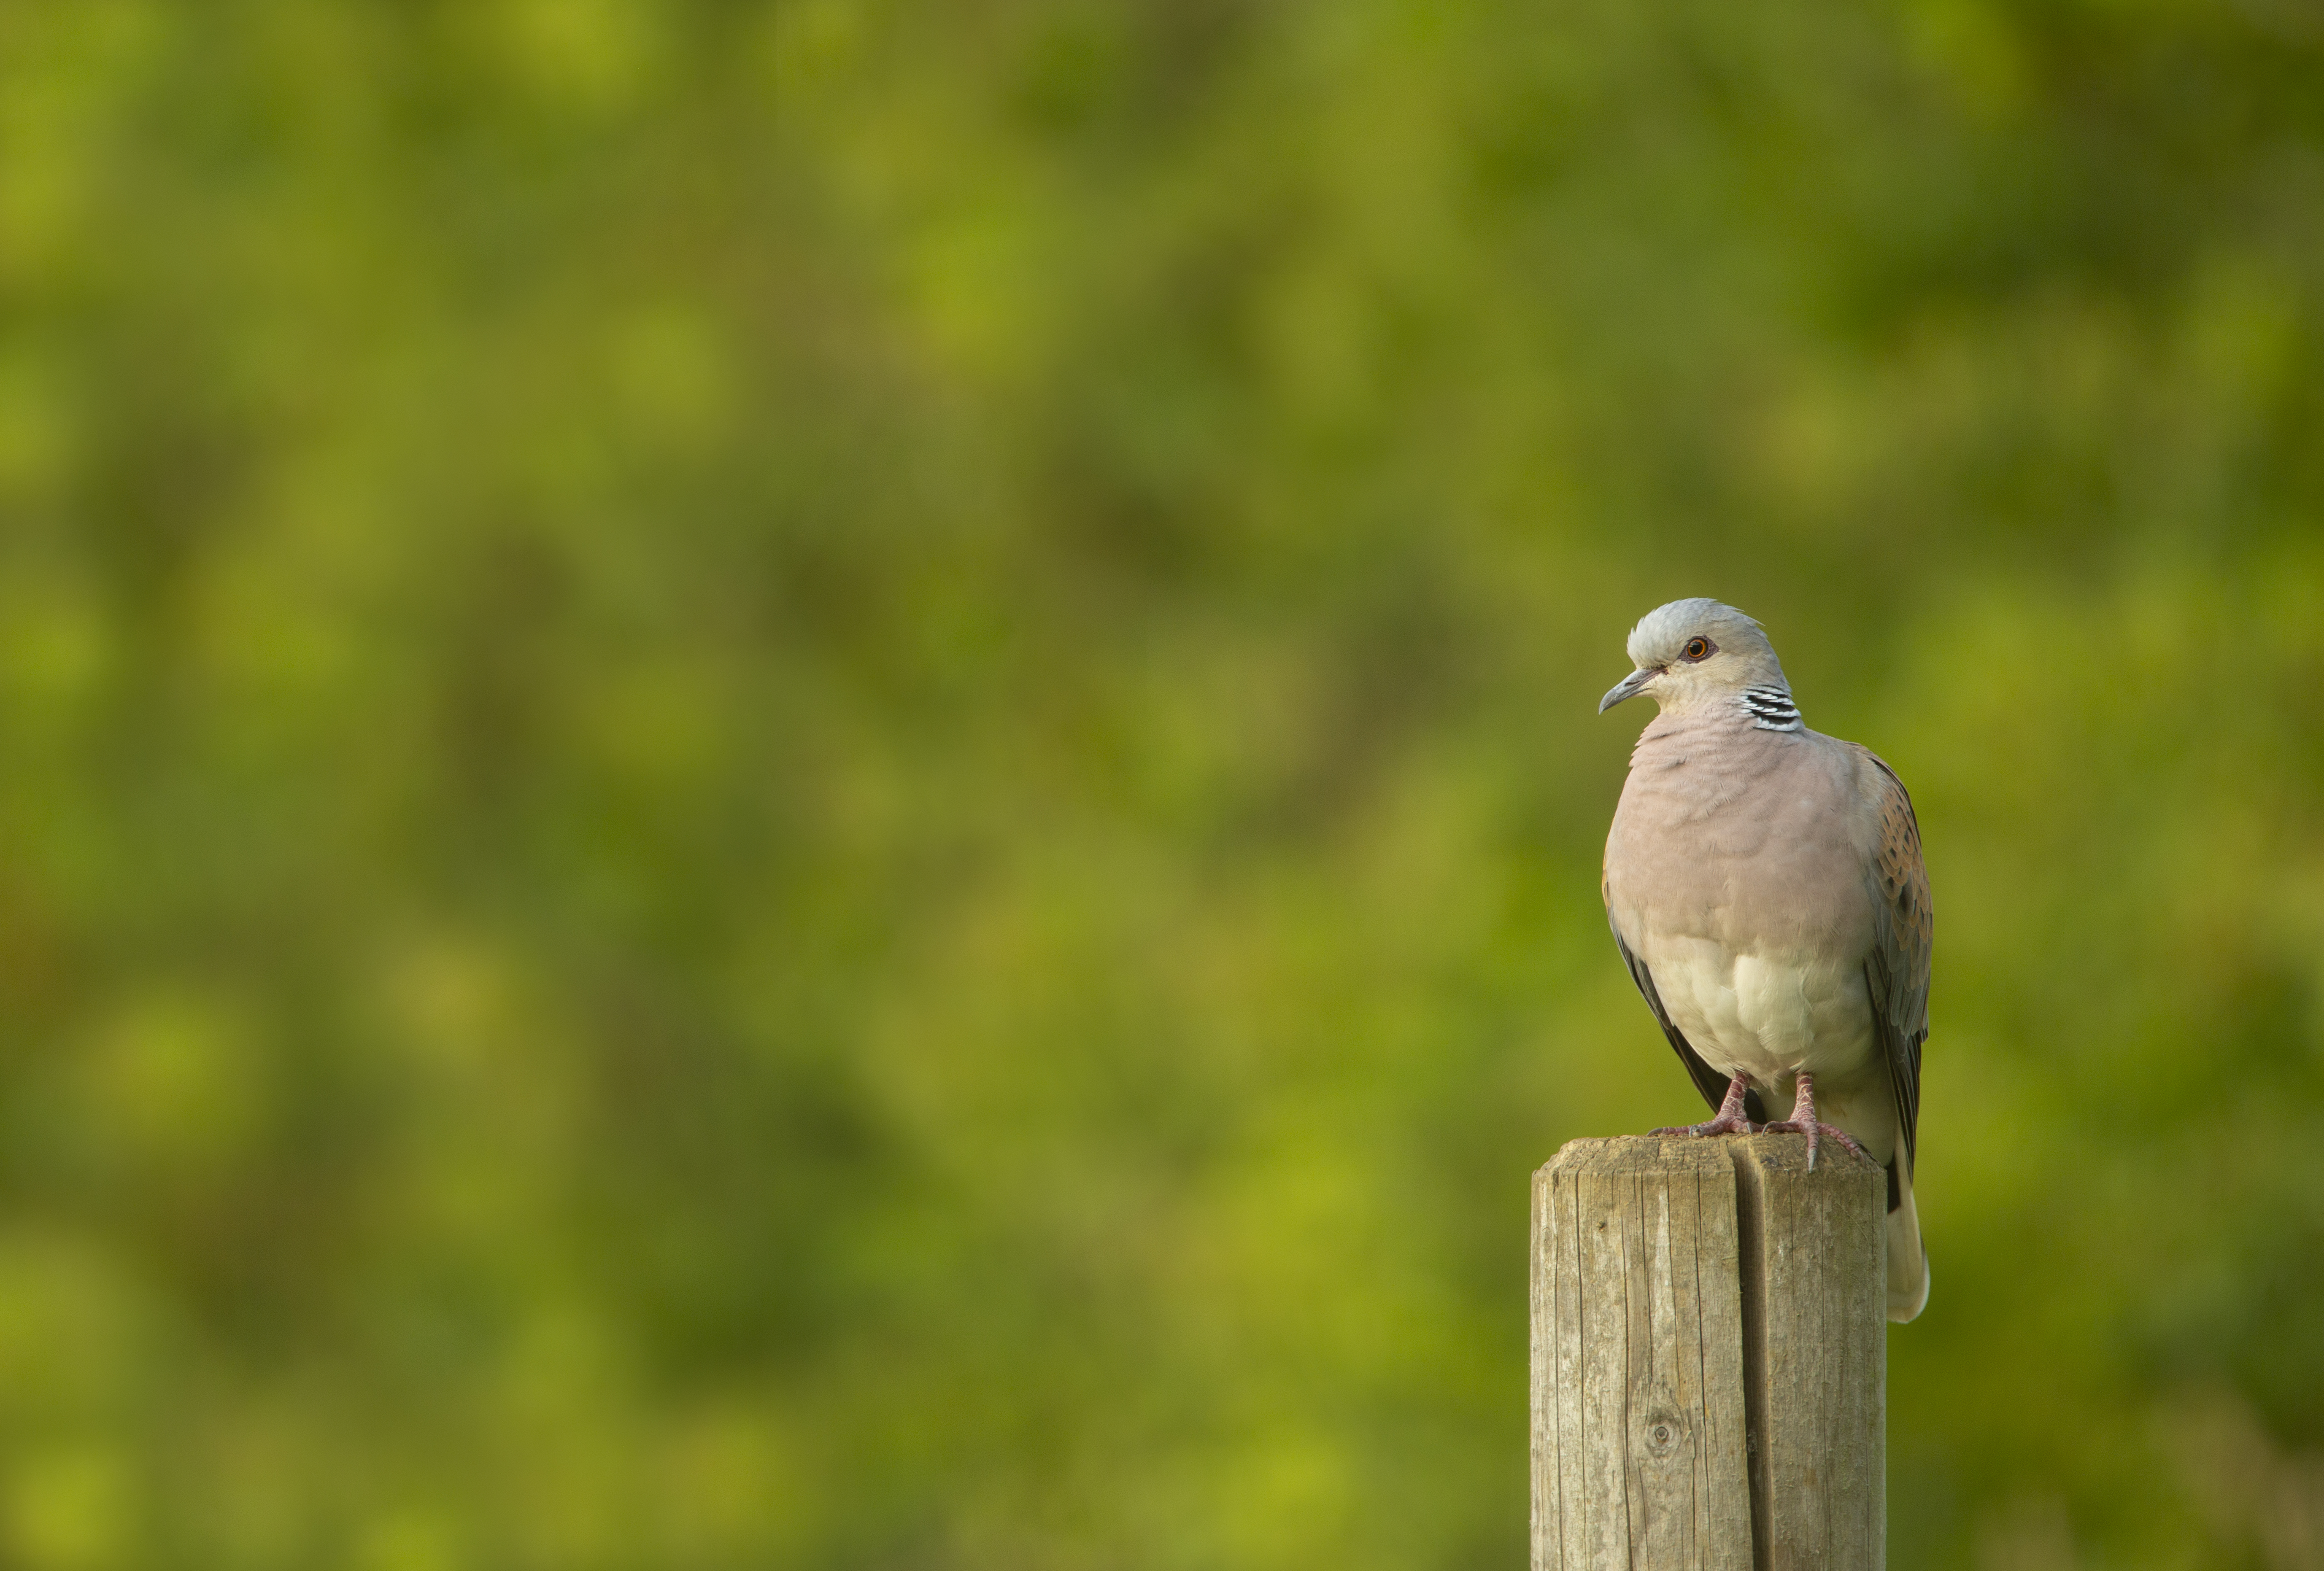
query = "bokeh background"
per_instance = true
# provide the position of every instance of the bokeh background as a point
(814, 784)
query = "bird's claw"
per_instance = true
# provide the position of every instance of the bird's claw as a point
(1811, 1128)
(1804, 1121)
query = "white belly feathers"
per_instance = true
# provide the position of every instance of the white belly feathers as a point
(1767, 1015)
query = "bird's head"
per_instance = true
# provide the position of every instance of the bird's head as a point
(1692, 651)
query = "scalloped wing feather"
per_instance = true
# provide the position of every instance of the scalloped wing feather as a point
(1904, 931)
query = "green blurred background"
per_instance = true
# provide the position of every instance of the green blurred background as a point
(814, 785)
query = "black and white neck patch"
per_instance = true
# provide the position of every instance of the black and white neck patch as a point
(1771, 709)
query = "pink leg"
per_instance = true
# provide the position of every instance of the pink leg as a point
(1803, 1121)
(1728, 1120)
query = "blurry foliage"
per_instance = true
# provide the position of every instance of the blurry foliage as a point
(814, 784)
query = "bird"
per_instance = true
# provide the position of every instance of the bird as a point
(1766, 886)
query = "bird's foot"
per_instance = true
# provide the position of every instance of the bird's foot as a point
(1812, 1128)
(1730, 1119)
(1804, 1121)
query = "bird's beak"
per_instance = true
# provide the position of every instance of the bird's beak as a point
(1629, 686)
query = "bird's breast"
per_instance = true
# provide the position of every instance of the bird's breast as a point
(1735, 871)
(1757, 853)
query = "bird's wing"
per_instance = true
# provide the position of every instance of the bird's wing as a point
(1708, 1080)
(1897, 971)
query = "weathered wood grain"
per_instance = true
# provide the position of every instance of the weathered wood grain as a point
(1709, 1366)
(1821, 1322)
(1639, 1443)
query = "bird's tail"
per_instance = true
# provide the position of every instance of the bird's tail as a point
(1908, 1258)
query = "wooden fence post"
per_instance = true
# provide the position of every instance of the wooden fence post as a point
(1710, 1357)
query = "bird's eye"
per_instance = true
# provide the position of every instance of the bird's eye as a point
(1697, 648)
